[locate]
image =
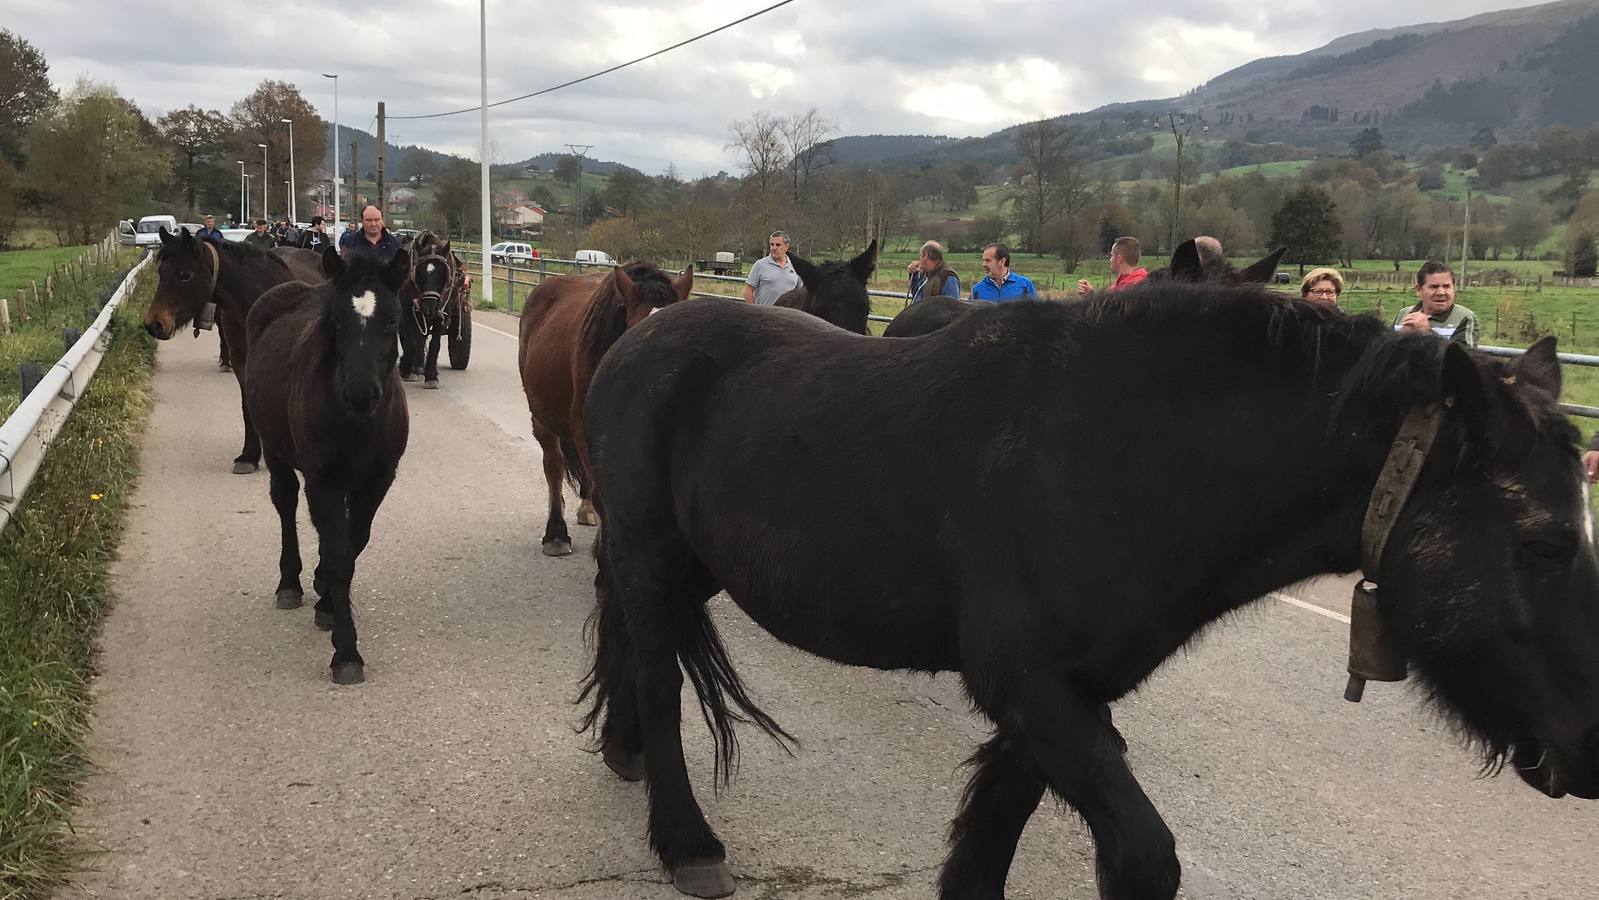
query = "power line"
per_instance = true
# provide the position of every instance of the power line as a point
(618, 67)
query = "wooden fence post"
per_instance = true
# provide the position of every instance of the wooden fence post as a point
(5, 314)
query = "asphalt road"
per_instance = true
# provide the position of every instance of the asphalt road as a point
(230, 767)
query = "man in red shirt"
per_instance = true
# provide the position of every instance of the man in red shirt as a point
(1124, 254)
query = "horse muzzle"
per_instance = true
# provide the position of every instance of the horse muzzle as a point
(1554, 774)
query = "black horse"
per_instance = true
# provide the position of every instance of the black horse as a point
(193, 273)
(1032, 530)
(834, 291)
(326, 398)
(435, 306)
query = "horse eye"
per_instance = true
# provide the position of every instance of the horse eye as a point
(1550, 551)
(185, 276)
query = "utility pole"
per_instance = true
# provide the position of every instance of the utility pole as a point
(1173, 120)
(355, 187)
(336, 205)
(484, 199)
(1465, 239)
(381, 138)
(580, 154)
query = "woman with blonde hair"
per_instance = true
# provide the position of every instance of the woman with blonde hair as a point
(1322, 286)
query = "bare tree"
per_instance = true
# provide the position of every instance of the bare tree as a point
(808, 141)
(759, 140)
(1052, 180)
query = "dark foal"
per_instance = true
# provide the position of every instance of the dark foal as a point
(432, 308)
(568, 323)
(1019, 512)
(325, 394)
(834, 291)
(192, 273)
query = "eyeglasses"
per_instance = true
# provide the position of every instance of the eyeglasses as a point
(1324, 292)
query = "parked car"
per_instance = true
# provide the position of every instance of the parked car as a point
(595, 257)
(1283, 278)
(126, 235)
(511, 253)
(148, 232)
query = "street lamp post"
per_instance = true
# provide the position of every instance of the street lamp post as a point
(247, 178)
(244, 191)
(288, 199)
(294, 208)
(264, 204)
(337, 207)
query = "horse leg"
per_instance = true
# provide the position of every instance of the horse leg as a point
(586, 514)
(224, 360)
(652, 584)
(557, 540)
(249, 459)
(285, 492)
(410, 348)
(1071, 740)
(430, 369)
(328, 503)
(364, 501)
(1001, 797)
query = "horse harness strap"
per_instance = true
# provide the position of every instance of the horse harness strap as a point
(1396, 481)
(216, 267)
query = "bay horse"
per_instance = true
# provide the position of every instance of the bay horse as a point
(834, 291)
(433, 304)
(1048, 546)
(568, 323)
(232, 275)
(325, 394)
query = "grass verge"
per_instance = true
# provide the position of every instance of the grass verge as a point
(54, 588)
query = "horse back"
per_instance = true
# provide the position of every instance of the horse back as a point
(795, 298)
(303, 265)
(547, 339)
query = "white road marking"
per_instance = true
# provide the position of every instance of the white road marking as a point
(1310, 607)
(1275, 595)
(365, 304)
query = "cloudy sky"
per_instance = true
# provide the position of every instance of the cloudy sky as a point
(928, 67)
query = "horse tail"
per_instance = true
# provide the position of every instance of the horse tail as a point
(705, 661)
(606, 631)
(577, 474)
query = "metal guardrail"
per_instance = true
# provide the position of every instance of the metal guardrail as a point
(1572, 359)
(26, 435)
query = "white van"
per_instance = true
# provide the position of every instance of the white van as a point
(148, 232)
(596, 257)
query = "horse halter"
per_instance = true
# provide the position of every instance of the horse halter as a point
(446, 298)
(208, 312)
(1371, 655)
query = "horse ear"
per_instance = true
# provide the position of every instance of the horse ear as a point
(167, 237)
(624, 283)
(398, 271)
(332, 263)
(864, 265)
(1261, 271)
(1540, 366)
(806, 270)
(1464, 390)
(684, 285)
(1185, 264)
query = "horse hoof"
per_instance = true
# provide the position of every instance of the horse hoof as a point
(703, 878)
(290, 598)
(240, 467)
(224, 367)
(431, 384)
(408, 376)
(324, 620)
(557, 548)
(587, 517)
(627, 766)
(348, 673)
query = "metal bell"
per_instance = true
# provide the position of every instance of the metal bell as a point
(207, 317)
(1371, 656)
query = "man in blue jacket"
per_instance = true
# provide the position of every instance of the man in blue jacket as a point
(1001, 285)
(210, 232)
(373, 239)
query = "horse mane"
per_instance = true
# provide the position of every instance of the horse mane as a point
(606, 318)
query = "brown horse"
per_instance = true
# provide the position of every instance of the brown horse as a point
(568, 323)
(194, 273)
(324, 389)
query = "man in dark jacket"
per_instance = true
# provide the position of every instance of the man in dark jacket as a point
(374, 239)
(931, 277)
(210, 232)
(260, 237)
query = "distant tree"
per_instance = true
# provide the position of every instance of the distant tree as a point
(25, 92)
(808, 143)
(419, 168)
(1526, 225)
(1367, 142)
(1307, 224)
(1430, 178)
(200, 138)
(759, 142)
(258, 119)
(93, 159)
(1052, 178)
(567, 168)
(10, 201)
(628, 191)
(543, 196)
(1484, 140)
(455, 201)
(1582, 256)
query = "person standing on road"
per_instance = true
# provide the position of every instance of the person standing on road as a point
(373, 239)
(773, 275)
(260, 237)
(210, 231)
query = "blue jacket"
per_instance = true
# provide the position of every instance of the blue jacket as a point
(213, 235)
(384, 249)
(1015, 287)
(952, 286)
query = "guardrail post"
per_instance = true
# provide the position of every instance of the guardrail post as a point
(31, 373)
